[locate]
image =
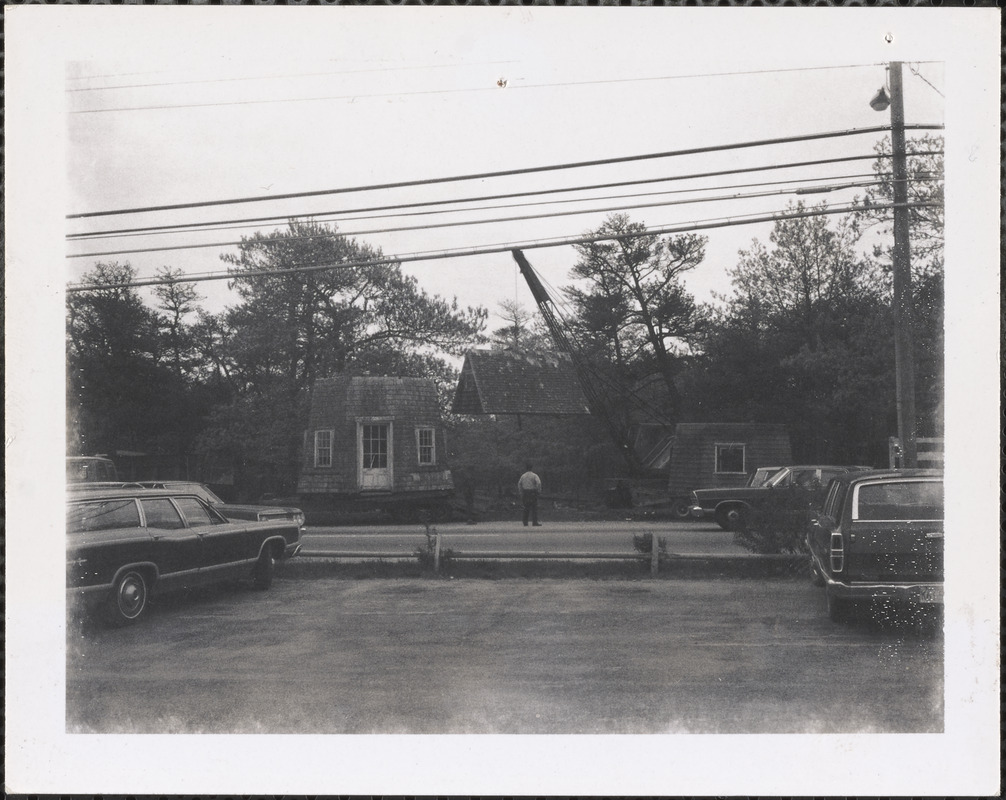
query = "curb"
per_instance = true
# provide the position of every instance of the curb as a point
(691, 565)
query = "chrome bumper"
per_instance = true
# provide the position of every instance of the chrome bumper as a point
(924, 593)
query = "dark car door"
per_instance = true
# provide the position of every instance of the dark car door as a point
(175, 549)
(225, 542)
(896, 531)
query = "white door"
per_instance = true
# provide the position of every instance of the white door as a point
(374, 447)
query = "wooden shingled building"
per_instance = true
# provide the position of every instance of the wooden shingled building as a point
(507, 382)
(374, 436)
(722, 454)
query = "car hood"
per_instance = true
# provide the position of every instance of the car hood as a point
(268, 511)
(732, 492)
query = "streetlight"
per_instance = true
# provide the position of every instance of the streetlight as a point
(880, 100)
(904, 361)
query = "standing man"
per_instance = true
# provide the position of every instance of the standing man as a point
(529, 487)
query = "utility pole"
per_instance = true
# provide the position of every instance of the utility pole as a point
(904, 355)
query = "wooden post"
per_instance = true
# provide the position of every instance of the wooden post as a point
(436, 550)
(654, 556)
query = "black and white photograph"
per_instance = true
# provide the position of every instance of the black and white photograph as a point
(517, 400)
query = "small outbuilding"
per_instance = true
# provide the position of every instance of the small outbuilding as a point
(714, 454)
(372, 437)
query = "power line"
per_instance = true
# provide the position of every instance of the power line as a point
(917, 74)
(467, 223)
(504, 196)
(274, 77)
(433, 255)
(508, 172)
(320, 99)
(527, 86)
(175, 70)
(339, 218)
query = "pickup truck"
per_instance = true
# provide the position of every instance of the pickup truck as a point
(732, 507)
(879, 536)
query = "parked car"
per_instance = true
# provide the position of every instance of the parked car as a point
(232, 511)
(879, 535)
(731, 507)
(124, 544)
(90, 469)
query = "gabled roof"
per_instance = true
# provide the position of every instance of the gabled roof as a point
(346, 396)
(507, 382)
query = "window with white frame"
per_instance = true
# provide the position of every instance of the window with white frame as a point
(426, 445)
(730, 458)
(323, 448)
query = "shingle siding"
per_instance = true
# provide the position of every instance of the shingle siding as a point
(505, 382)
(338, 404)
(693, 457)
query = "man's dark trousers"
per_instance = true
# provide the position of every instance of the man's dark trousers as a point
(530, 498)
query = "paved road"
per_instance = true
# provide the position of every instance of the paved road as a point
(566, 537)
(329, 655)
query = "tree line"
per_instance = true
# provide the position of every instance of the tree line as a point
(804, 337)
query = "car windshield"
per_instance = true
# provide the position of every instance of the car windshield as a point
(781, 478)
(761, 476)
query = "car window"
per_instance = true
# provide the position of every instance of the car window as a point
(827, 475)
(161, 513)
(102, 515)
(784, 478)
(900, 500)
(761, 476)
(195, 513)
(840, 491)
(831, 501)
(806, 478)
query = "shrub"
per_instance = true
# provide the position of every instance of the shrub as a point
(779, 524)
(644, 543)
(427, 554)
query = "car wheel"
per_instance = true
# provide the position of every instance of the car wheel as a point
(731, 518)
(264, 570)
(680, 509)
(128, 600)
(816, 577)
(839, 609)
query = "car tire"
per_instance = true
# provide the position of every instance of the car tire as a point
(128, 600)
(264, 570)
(839, 609)
(681, 509)
(816, 577)
(731, 518)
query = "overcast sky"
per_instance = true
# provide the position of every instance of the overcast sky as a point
(185, 115)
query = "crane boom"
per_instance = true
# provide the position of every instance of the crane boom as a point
(595, 399)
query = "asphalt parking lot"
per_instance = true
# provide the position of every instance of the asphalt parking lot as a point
(428, 655)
